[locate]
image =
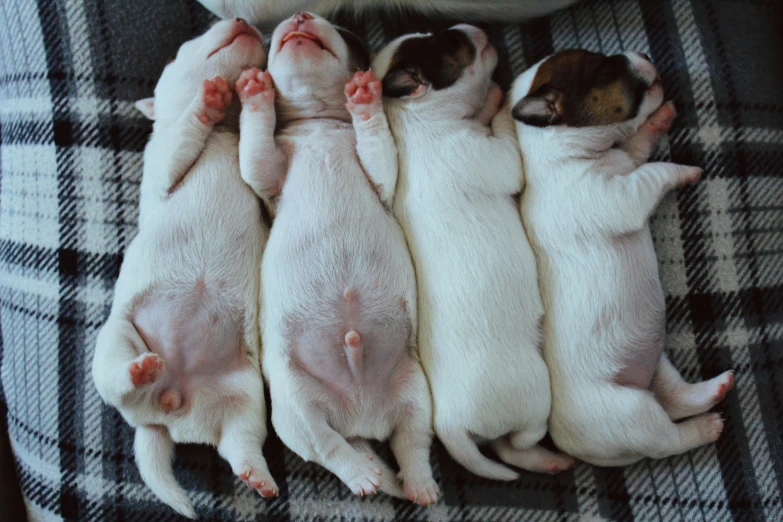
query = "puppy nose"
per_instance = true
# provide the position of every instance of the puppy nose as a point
(301, 17)
(646, 57)
(241, 20)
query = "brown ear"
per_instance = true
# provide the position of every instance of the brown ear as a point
(403, 82)
(541, 108)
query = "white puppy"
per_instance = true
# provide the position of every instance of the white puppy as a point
(339, 297)
(272, 11)
(586, 207)
(479, 306)
(178, 355)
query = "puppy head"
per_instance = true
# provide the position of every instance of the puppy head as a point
(577, 88)
(226, 49)
(309, 57)
(453, 66)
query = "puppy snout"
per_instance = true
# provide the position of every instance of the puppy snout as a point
(645, 56)
(241, 20)
(302, 17)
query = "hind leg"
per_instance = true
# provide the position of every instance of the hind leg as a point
(244, 431)
(681, 399)
(520, 449)
(306, 431)
(411, 442)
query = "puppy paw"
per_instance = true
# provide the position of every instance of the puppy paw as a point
(710, 427)
(216, 96)
(558, 463)
(491, 105)
(660, 121)
(365, 478)
(725, 384)
(260, 481)
(690, 176)
(364, 95)
(146, 369)
(255, 88)
(422, 491)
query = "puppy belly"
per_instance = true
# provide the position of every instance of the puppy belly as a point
(355, 346)
(198, 335)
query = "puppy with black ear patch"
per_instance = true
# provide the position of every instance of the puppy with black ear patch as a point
(179, 353)
(586, 125)
(478, 296)
(339, 311)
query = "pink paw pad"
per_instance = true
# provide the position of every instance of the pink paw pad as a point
(264, 488)
(146, 369)
(255, 86)
(364, 94)
(216, 95)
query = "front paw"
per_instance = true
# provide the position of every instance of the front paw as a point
(689, 176)
(146, 369)
(491, 104)
(216, 96)
(259, 479)
(255, 88)
(364, 95)
(365, 477)
(423, 491)
(659, 123)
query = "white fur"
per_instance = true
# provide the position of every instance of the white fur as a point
(334, 246)
(586, 208)
(199, 242)
(265, 12)
(479, 307)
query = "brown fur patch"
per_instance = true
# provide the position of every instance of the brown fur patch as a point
(588, 89)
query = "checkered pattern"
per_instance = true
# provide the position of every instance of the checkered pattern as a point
(71, 158)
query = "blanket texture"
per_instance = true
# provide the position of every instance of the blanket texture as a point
(71, 163)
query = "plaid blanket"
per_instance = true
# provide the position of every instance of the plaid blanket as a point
(71, 162)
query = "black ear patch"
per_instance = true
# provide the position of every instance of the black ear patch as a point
(360, 56)
(437, 60)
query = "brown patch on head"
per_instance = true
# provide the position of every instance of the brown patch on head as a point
(582, 89)
(437, 60)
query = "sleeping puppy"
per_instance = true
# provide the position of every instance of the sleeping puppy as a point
(265, 12)
(178, 355)
(478, 298)
(339, 296)
(587, 124)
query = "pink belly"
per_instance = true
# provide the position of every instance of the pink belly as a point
(198, 337)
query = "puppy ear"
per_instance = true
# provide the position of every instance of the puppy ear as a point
(359, 54)
(402, 82)
(147, 107)
(541, 108)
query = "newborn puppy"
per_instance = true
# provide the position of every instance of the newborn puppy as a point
(339, 296)
(478, 297)
(266, 11)
(587, 123)
(178, 355)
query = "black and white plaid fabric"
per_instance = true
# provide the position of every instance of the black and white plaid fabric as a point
(71, 158)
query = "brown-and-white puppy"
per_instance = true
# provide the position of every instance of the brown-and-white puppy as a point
(178, 355)
(339, 310)
(587, 123)
(479, 306)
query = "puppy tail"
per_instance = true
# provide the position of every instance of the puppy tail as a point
(154, 452)
(465, 451)
(389, 485)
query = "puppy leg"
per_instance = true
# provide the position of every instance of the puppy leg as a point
(411, 442)
(374, 143)
(242, 437)
(535, 458)
(639, 192)
(122, 363)
(262, 164)
(174, 151)
(642, 144)
(491, 105)
(681, 399)
(306, 431)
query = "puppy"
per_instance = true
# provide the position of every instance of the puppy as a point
(478, 298)
(581, 125)
(339, 297)
(272, 11)
(178, 355)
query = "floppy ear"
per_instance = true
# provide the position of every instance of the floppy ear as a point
(540, 108)
(147, 107)
(359, 52)
(401, 82)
